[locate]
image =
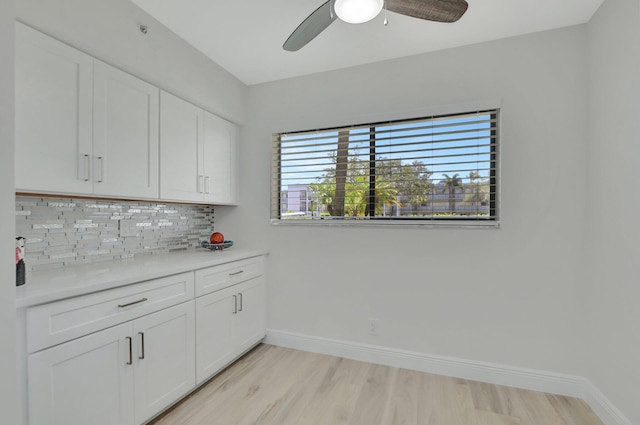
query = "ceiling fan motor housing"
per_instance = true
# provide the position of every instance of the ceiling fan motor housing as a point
(357, 11)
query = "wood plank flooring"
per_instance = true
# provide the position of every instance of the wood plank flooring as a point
(279, 386)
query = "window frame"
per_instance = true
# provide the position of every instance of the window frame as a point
(494, 181)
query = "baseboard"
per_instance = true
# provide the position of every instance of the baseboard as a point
(536, 380)
(603, 407)
(460, 368)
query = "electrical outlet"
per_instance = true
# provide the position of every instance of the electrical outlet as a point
(373, 327)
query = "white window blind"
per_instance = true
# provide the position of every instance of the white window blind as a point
(434, 169)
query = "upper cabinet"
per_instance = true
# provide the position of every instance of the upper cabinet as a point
(125, 134)
(86, 128)
(82, 126)
(197, 154)
(180, 158)
(54, 85)
(219, 157)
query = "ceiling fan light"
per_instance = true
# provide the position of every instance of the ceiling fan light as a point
(357, 11)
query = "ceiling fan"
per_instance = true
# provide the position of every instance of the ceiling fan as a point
(359, 11)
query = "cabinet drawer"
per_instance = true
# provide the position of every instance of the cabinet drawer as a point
(218, 277)
(54, 323)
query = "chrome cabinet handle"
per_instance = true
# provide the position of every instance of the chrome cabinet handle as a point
(101, 169)
(240, 295)
(200, 184)
(236, 273)
(130, 351)
(235, 304)
(132, 303)
(141, 357)
(206, 184)
(87, 165)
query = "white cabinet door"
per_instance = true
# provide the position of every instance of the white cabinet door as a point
(230, 321)
(197, 154)
(125, 134)
(53, 115)
(250, 327)
(219, 153)
(180, 153)
(215, 344)
(164, 358)
(84, 381)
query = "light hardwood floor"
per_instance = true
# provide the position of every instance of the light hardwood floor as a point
(279, 386)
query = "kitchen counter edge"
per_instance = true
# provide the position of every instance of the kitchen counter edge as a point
(52, 285)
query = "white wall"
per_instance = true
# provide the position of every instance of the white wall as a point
(513, 296)
(8, 364)
(614, 203)
(109, 31)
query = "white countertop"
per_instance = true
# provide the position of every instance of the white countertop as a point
(51, 285)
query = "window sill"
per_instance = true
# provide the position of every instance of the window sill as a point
(426, 224)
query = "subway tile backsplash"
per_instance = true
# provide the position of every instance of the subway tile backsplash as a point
(64, 232)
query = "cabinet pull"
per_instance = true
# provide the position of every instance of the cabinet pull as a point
(240, 295)
(206, 184)
(200, 184)
(236, 273)
(141, 357)
(87, 165)
(101, 169)
(235, 304)
(130, 351)
(132, 303)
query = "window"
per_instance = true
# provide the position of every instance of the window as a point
(419, 171)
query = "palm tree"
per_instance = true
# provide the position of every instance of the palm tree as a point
(386, 194)
(451, 183)
(336, 209)
(479, 193)
(474, 176)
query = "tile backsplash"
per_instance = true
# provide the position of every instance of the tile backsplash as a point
(63, 232)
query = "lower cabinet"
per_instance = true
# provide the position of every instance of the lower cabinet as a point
(85, 381)
(250, 324)
(123, 355)
(123, 375)
(165, 359)
(215, 332)
(230, 321)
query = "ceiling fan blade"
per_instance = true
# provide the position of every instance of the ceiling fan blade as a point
(315, 23)
(431, 10)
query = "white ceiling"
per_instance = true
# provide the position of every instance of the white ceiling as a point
(245, 36)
